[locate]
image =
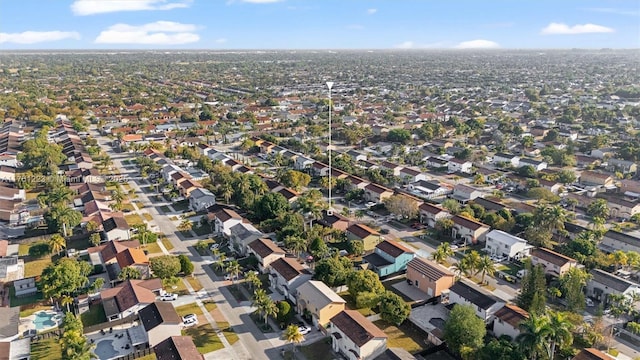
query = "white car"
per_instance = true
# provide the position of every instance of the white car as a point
(214, 246)
(303, 329)
(168, 297)
(453, 247)
(590, 302)
(370, 204)
(190, 320)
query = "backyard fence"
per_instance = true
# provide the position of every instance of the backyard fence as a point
(110, 324)
(136, 354)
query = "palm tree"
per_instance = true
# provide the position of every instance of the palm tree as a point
(534, 335)
(461, 268)
(269, 308)
(234, 270)
(226, 191)
(296, 243)
(65, 217)
(560, 331)
(66, 300)
(185, 226)
(118, 196)
(473, 261)
(486, 266)
(253, 279)
(56, 243)
(220, 258)
(143, 233)
(442, 253)
(292, 335)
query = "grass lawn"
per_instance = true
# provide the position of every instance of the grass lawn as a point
(23, 249)
(147, 216)
(35, 267)
(204, 337)
(237, 294)
(202, 230)
(127, 207)
(48, 349)
(192, 308)
(319, 350)
(153, 248)
(509, 268)
(210, 305)
(133, 219)
(167, 243)
(351, 304)
(164, 209)
(180, 289)
(31, 195)
(27, 310)
(25, 301)
(139, 205)
(180, 205)
(404, 337)
(186, 234)
(228, 332)
(94, 316)
(195, 284)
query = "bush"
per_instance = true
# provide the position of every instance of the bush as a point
(284, 312)
(186, 266)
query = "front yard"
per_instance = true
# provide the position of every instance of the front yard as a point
(319, 350)
(133, 219)
(204, 337)
(192, 308)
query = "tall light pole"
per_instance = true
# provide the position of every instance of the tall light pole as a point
(330, 210)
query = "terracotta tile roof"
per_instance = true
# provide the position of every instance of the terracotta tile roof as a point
(512, 314)
(287, 268)
(132, 292)
(431, 209)
(393, 248)
(265, 247)
(357, 327)
(377, 188)
(592, 354)
(177, 348)
(112, 248)
(130, 257)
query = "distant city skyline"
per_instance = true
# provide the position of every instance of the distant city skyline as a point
(319, 24)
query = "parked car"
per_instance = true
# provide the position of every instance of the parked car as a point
(214, 246)
(303, 329)
(190, 320)
(590, 302)
(168, 297)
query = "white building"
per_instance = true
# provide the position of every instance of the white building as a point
(484, 304)
(500, 243)
(508, 321)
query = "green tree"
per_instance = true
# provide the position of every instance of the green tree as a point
(572, 283)
(95, 239)
(364, 281)
(63, 218)
(442, 253)
(253, 280)
(185, 225)
(560, 332)
(284, 312)
(598, 209)
(65, 276)
(486, 267)
(165, 266)
(233, 268)
(402, 136)
(295, 179)
(73, 343)
(270, 206)
(500, 349)
(292, 335)
(186, 266)
(333, 271)
(129, 273)
(534, 337)
(533, 282)
(57, 243)
(464, 329)
(295, 243)
(393, 308)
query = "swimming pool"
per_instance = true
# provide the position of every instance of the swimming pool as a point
(45, 320)
(105, 350)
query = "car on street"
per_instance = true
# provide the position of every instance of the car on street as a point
(370, 204)
(190, 320)
(168, 297)
(303, 329)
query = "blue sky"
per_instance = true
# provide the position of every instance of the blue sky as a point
(318, 24)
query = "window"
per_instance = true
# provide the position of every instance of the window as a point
(417, 283)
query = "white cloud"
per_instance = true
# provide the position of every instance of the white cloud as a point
(414, 45)
(91, 7)
(564, 29)
(32, 37)
(372, 11)
(157, 33)
(405, 45)
(478, 44)
(220, 41)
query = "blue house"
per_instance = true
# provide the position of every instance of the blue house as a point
(388, 257)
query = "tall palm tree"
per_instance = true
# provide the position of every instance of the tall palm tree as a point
(461, 268)
(268, 308)
(486, 266)
(226, 191)
(66, 300)
(65, 217)
(560, 331)
(473, 261)
(292, 335)
(442, 253)
(296, 243)
(233, 268)
(253, 280)
(534, 336)
(118, 196)
(56, 243)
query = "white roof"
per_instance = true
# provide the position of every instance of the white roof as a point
(504, 238)
(321, 291)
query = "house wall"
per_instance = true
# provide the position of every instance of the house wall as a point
(429, 286)
(470, 235)
(369, 351)
(481, 313)
(619, 245)
(504, 328)
(326, 313)
(550, 268)
(494, 246)
(267, 260)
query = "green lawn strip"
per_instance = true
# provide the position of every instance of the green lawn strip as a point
(127, 207)
(202, 230)
(30, 309)
(133, 219)
(180, 205)
(47, 349)
(195, 284)
(139, 205)
(192, 308)
(147, 216)
(153, 248)
(95, 315)
(167, 243)
(23, 249)
(180, 289)
(35, 267)
(402, 337)
(204, 337)
(228, 332)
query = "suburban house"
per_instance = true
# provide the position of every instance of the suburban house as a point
(177, 348)
(356, 183)
(623, 166)
(536, 164)
(134, 258)
(603, 283)
(554, 263)
(459, 166)
(470, 230)
(200, 199)
(394, 169)
(508, 159)
(429, 189)
(615, 240)
(595, 178)
(621, 208)
(334, 221)
(388, 257)
(376, 193)
(488, 204)
(223, 220)
(370, 238)
(303, 162)
(9, 322)
(431, 278)
(499, 243)
(318, 301)
(484, 303)
(409, 175)
(508, 321)
(356, 155)
(241, 235)
(160, 321)
(591, 354)
(356, 337)
(463, 193)
(430, 214)
(9, 268)
(129, 297)
(19, 349)
(286, 275)
(266, 251)
(116, 229)
(436, 162)
(552, 186)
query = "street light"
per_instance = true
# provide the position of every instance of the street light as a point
(330, 210)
